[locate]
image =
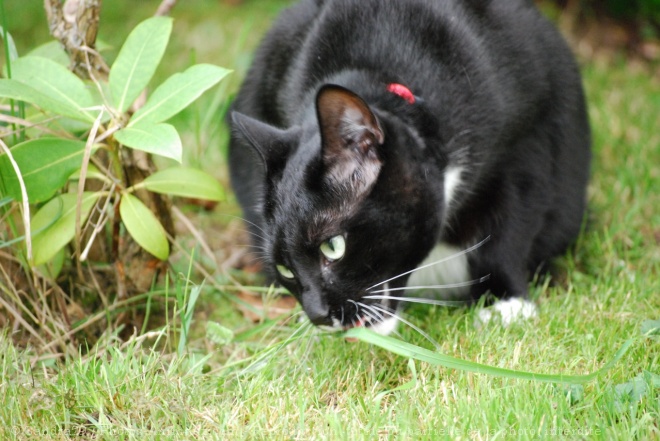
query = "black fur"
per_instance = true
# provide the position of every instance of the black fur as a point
(321, 148)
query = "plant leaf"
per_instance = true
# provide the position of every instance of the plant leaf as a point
(45, 163)
(61, 213)
(138, 59)
(177, 92)
(187, 316)
(651, 329)
(52, 50)
(418, 353)
(219, 334)
(143, 226)
(54, 80)
(16, 90)
(13, 53)
(6, 200)
(186, 182)
(159, 139)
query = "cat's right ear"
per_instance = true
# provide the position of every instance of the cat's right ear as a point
(350, 138)
(272, 145)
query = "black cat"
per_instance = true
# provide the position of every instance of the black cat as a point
(372, 135)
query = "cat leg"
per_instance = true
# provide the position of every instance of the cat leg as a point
(507, 312)
(508, 282)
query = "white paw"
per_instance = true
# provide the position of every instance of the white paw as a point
(507, 312)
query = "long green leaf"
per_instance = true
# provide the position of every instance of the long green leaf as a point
(6, 200)
(11, 46)
(144, 227)
(159, 139)
(46, 242)
(186, 182)
(177, 92)
(52, 50)
(138, 59)
(411, 351)
(22, 92)
(54, 80)
(45, 164)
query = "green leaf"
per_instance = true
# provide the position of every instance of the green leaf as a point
(5, 200)
(19, 91)
(138, 59)
(52, 50)
(13, 53)
(186, 182)
(177, 92)
(627, 395)
(418, 353)
(218, 334)
(53, 268)
(187, 316)
(60, 212)
(143, 226)
(45, 164)
(54, 80)
(33, 230)
(159, 139)
(651, 329)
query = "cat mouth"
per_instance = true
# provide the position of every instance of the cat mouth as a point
(365, 322)
(380, 325)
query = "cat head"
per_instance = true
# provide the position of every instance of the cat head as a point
(347, 207)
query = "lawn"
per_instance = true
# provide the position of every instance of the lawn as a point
(216, 374)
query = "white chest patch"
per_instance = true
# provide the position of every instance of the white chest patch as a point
(452, 181)
(444, 274)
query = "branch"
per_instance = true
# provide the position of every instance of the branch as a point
(75, 24)
(165, 7)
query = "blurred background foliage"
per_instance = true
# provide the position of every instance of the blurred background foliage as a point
(640, 19)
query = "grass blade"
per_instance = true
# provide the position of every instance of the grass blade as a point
(422, 354)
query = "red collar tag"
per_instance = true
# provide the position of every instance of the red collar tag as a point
(402, 91)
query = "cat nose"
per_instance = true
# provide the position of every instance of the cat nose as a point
(317, 310)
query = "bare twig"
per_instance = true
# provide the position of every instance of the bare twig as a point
(196, 233)
(165, 7)
(81, 186)
(29, 124)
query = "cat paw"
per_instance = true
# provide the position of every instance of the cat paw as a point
(506, 312)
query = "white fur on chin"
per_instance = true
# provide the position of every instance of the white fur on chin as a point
(385, 327)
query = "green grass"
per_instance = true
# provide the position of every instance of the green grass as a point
(259, 385)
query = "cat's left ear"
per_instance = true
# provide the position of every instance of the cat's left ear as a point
(273, 145)
(350, 136)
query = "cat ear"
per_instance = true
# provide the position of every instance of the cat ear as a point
(272, 145)
(350, 135)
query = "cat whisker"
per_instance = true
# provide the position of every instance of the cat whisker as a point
(446, 286)
(419, 300)
(256, 247)
(380, 318)
(453, 256)
(404, 321)
(253, 234)
(246, 221)
(371, 314)
(260, 259)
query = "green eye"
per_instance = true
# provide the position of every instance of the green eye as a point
(284, 272)
(334, 248)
